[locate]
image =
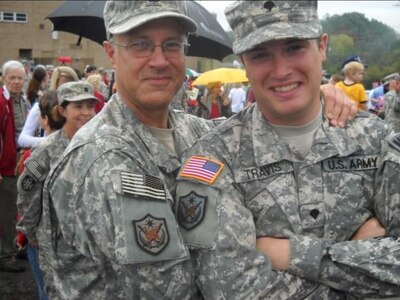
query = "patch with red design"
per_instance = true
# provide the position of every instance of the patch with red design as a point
(151, 234)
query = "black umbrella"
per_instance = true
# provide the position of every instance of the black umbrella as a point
(85, 19)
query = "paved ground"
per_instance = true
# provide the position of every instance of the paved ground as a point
(18, 286)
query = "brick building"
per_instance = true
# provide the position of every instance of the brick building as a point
(26, 34)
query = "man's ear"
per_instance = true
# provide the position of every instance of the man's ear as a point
(323, 46)
(110, 51)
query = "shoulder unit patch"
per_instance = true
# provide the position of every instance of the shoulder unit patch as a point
(151, 234)
(191, 210)
(28, 183)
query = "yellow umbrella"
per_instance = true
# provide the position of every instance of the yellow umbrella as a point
(223, 75)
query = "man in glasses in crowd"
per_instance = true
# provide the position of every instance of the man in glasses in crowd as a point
(109, 230)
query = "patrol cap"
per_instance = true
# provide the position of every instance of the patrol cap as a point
(121, 16)
(257, 22)
(394, 76)
(75, 91)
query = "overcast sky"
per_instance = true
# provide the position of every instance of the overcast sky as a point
(387, 12)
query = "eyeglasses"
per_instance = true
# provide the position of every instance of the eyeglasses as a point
(145, 48)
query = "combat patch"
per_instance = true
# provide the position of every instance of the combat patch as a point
(202, 168)
(352, 163)
(142, 185)
(191, 210)
(28, 183)
(151, 234)
(35, 168)
(394, 141)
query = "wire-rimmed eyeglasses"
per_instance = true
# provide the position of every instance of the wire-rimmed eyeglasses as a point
(145, 48)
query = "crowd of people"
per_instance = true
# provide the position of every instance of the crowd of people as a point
(283, 189)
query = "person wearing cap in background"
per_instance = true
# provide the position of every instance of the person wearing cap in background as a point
(275, 176)
(352, 83)
(392, 101)
(61, 118)
(115, 235)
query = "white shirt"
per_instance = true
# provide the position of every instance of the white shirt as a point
(27, 138)
(237, 96)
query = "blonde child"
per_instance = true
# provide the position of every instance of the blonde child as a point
(352, 86)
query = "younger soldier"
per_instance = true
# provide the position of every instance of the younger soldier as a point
(277, 172)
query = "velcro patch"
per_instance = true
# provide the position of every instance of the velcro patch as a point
(35, 168)
(142, 185)
(351, 163)
(394, 141)
(151, 234)
(191, 210)
(202, 168)
(28, 183)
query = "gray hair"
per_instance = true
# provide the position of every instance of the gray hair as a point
(11, 64)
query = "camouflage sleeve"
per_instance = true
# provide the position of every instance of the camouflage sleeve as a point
(368, 267)
(397, 103)
(29, 186)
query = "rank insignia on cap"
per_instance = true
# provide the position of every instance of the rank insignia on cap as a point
(142, 185)
(28, 183)
(151, 234)
(35, 168)
(202, 168)
(191, 210)
(394, 141)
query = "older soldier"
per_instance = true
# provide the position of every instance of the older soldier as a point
(392, 101)
(111, 191)
(110, 194)
(11, 97)
(277, 172)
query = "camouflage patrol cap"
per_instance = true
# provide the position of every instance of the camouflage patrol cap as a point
(121, 16)
(394, 76)
(257, 22)
(75, 91)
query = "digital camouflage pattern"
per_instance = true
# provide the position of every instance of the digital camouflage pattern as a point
(110, 230)
(318, 202)
(392, 109)
(257, 22)
(75, 91)
(120, 16)
(31, 181)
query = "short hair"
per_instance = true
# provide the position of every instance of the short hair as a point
(352, 68)
(11, 64)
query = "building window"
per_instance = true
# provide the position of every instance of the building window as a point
(18, 17)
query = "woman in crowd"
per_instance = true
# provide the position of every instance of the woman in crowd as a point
(68, 110)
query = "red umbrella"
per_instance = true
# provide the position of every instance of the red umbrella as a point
(65, 59)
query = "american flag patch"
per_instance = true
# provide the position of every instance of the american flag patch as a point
(37, 170)
(142, 185)
(202, 168)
